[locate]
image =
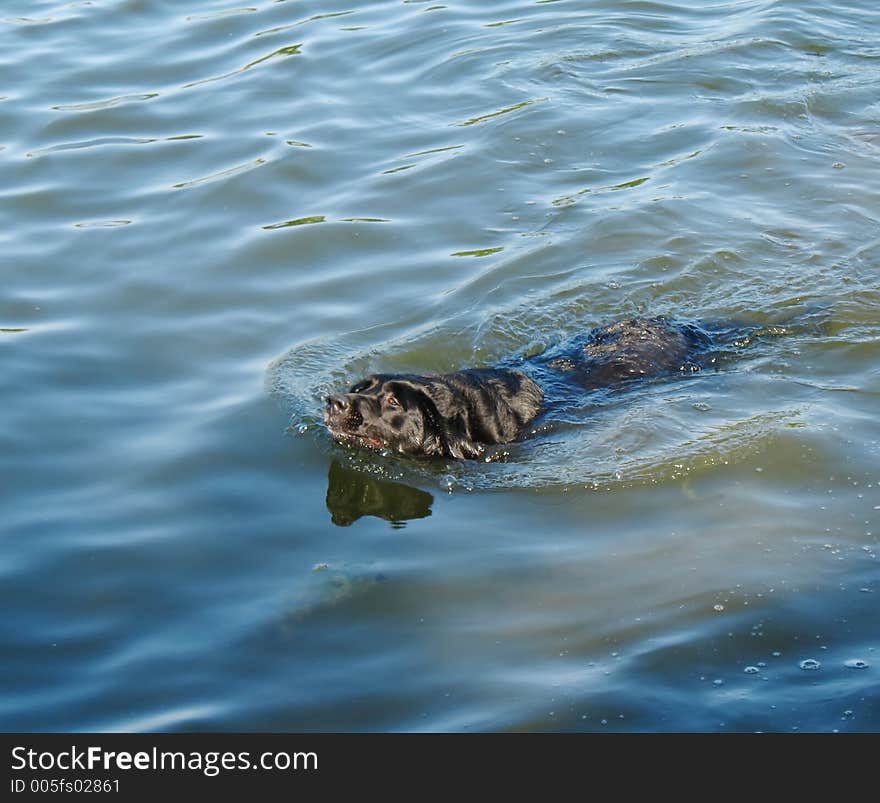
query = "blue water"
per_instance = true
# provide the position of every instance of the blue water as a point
(213, 215)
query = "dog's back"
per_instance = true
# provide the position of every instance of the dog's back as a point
(636, 348)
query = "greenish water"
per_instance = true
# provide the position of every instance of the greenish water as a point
(214, 214)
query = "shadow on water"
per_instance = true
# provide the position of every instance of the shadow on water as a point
(352, 494)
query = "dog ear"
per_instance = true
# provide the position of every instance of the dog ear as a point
(444, 437)
(433, 438)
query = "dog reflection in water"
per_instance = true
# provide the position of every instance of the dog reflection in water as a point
(351, 494)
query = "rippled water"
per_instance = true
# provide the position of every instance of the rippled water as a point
(214, 214)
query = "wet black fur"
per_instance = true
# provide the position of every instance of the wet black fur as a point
(459, 414)
(449, 415)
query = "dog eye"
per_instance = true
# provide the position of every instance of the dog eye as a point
(390, 400)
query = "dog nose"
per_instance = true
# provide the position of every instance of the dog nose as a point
(336, 405)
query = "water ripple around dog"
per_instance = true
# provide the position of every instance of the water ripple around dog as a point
(652, 432)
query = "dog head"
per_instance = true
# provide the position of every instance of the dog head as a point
(446, 415)
(388, 412)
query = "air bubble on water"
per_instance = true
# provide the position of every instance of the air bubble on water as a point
(751, 670)
(449, 483)
(719, 607)
(301, 429)
(718, 682)
(604, 722)
(701, 406)
(809, 664)
(857, 663)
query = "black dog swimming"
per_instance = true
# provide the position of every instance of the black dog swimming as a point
(460, 414)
